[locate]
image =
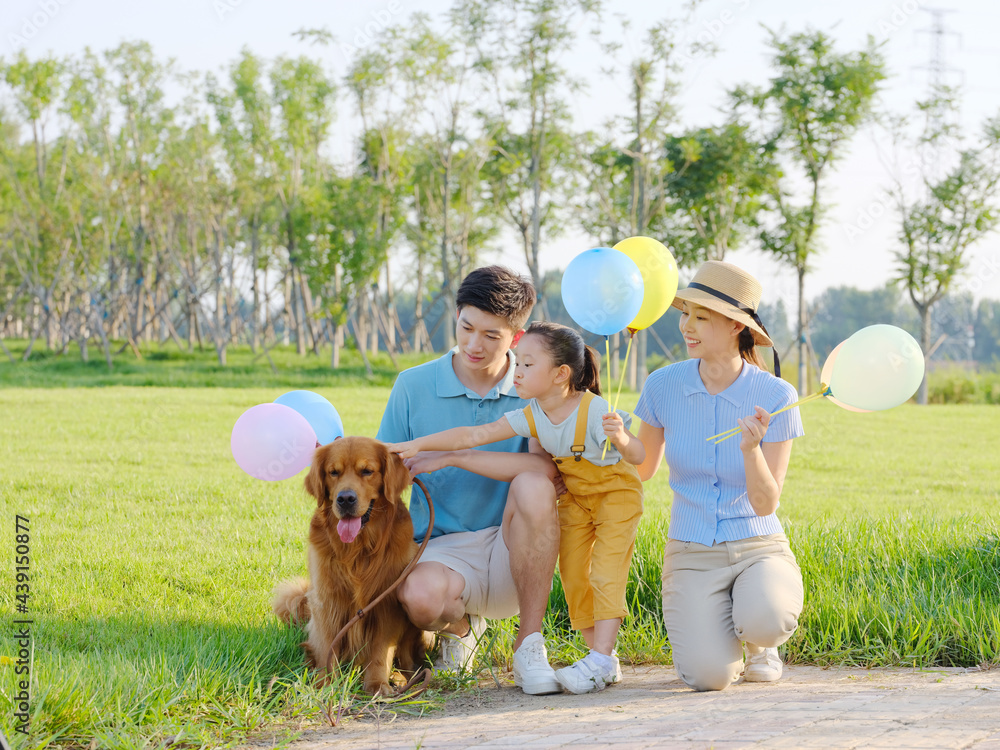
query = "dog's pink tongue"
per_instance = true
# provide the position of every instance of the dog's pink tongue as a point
(349, 528)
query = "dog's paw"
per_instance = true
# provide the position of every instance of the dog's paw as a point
(380, 689)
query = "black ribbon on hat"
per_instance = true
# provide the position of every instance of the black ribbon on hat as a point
(748, 310)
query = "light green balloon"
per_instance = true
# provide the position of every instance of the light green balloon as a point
(879, 367)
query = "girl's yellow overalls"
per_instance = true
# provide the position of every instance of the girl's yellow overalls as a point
(598, 520)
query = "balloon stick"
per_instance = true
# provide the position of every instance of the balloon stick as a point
(621, 380)
(824, 391)
(607, 356)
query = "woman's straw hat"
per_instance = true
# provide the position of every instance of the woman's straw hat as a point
(729, 290)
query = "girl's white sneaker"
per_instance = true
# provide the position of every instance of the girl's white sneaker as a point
(593, 672)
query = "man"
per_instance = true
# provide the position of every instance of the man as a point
(496, 530)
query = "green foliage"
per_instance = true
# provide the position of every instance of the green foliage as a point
(814, 103)
(953, 211)
(949, 213)
(719, 180)
(987, 331)
(168, 366)
(959, 386)
(838, 312)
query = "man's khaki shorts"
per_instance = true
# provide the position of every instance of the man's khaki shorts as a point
(482, 559)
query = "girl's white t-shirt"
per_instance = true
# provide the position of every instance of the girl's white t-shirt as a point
(558, 438)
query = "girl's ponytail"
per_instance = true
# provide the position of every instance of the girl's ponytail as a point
(566, 347)
(589, 376)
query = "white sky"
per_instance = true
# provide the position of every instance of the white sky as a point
(858, 237)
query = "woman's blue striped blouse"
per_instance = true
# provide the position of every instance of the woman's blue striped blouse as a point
(710, 501)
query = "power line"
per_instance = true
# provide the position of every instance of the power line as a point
(938, 33)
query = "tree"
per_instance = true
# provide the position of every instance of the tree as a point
(38, 175)
(625, 172)
(246, 128)
(718, 185)
(303, 97)
(946, 216)
(840, 311)
(521, 45)
(987, 332)
(139, 88)
(814, 104)
(451, 212)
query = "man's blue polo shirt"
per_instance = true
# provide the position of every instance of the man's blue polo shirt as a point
(430, 398)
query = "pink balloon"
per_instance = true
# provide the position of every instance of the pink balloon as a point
(828, 373)
(272, 442)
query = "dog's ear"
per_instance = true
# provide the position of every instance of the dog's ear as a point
(315, 485)
(395, 475)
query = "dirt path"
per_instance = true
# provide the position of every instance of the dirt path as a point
(810, 707)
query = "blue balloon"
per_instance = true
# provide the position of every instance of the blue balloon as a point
(319, 412)
(602, 290)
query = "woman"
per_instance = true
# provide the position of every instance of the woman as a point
(729, 576)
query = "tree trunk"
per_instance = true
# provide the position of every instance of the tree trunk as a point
(106, 346)
(633, 362)
(360, 325)
(803, 357)
(298, 313)
(50, 322)
(925, 343)
(615, 362)
(254, 250)
(219, 329)
(337, 340)
(335, 334)
(359, 337)
(372, 321)
(390, 310)
(286, 314)
(642, 348)
(418, 309)
(197, 330)
(268, 323)
(307, 313)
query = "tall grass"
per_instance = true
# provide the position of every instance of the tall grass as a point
(153, 558)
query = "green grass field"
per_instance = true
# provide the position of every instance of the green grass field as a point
(153, 557)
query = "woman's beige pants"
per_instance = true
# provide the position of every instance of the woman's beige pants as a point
(716, 598)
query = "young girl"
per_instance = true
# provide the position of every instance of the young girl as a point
(599, 515)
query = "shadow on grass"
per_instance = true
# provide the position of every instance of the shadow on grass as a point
(128, 681)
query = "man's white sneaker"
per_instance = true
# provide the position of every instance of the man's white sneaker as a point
(456, 653)
(763, 665)
(532, 672)
(593, 672)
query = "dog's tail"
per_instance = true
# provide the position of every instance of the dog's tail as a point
(290, 603)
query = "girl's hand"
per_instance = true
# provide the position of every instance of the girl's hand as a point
(427, 462)
(405, 450)
(614, 427)
(753, 429)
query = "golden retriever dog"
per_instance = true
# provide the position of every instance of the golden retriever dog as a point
(360, 539)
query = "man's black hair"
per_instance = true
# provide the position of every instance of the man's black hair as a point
(498, 291)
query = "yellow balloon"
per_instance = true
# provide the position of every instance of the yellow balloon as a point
(659, 278)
